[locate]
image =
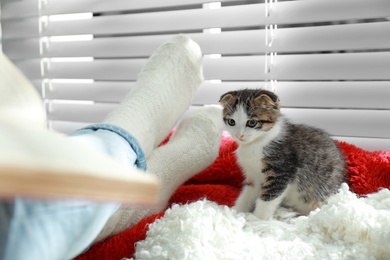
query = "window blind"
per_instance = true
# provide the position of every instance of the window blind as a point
(328, 60)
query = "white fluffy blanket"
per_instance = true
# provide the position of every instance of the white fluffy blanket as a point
(346, 228)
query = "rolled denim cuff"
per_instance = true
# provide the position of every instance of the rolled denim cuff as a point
(140, 161)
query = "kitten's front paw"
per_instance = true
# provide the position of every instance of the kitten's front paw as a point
(236, 209)
(263, 214)
(240, 208)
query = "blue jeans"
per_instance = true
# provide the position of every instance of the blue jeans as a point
(62, 229)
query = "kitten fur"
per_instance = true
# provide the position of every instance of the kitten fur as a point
(287, 164)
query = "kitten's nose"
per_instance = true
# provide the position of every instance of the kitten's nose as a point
(240, 137)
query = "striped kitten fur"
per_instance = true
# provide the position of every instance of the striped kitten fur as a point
(287, 164)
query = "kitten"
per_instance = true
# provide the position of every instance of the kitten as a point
(284, 163)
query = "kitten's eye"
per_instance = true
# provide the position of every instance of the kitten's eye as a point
(231, 122)
(251, 123)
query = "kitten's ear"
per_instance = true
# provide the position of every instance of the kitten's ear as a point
(266, 102)
(228, 99)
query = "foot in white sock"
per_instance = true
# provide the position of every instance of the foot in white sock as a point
(164, 90)
(193, 147)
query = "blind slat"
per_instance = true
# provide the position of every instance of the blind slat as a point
(92, 113)
(332, 38)
(342, 94)
(127, 69)
(21, 49)
(306, 39)
(340, 66)
(30, 68)
(19, 9)
(298, 12)
(343, 122)
(20, 28)
(107, 91)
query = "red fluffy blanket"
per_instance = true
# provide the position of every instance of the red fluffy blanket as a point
(221, 182)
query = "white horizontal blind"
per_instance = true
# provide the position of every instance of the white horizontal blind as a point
(328, 60)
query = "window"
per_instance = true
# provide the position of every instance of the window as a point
(328, 60)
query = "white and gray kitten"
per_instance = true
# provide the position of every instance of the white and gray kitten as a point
(284, 163)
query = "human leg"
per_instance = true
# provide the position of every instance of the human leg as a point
(137, 116)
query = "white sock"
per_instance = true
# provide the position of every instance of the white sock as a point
(164, 90)
(193, 147)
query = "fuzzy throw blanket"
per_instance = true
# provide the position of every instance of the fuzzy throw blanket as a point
(199, 223)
